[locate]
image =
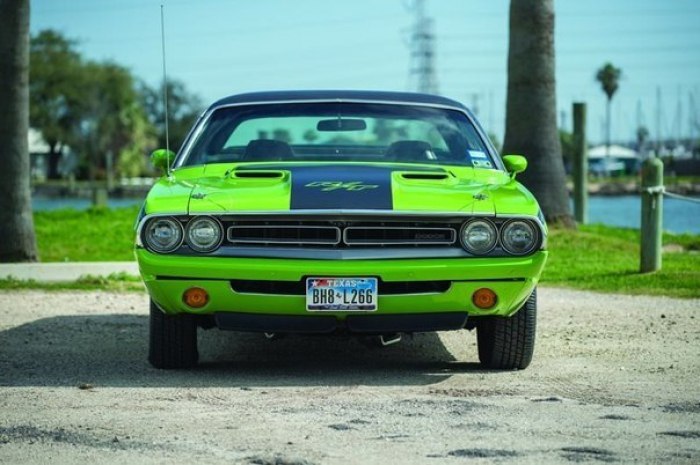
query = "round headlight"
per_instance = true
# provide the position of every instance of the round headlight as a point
(163, 235)
(204, 234)
(479, 236)
(518, 237)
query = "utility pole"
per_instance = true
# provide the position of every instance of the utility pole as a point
(422, 71)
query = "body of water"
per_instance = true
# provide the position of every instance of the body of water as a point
(680, 216)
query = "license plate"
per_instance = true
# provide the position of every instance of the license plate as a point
(341, 294)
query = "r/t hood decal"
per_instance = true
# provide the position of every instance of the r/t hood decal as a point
(327, 186)
(336, 187)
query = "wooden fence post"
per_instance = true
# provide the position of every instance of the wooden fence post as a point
(652, 215)
(580, 164)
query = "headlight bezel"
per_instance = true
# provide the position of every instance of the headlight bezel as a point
(155, 249)
(472, 222)
(194, 220)
(535, 236)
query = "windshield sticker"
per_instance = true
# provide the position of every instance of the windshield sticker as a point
(481, 164)
(477, 154)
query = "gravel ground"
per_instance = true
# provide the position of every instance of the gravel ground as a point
(614, 379)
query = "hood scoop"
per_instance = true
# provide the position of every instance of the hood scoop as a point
(425, 176)
(256, 174)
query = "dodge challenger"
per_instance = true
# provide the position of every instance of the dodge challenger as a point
(350, 212)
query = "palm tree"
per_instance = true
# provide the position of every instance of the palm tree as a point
(16, 224)
(609, 78)
(531, 118)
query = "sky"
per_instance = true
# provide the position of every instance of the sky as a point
(224, 47)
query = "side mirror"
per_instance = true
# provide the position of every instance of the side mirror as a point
(162, 159)
(515, 164)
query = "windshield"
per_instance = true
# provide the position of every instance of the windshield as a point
(339, 132)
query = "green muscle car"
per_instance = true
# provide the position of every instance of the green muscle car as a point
(369, 213)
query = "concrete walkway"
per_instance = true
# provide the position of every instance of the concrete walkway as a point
(64, 271)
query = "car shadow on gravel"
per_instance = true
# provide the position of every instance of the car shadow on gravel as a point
(110, 350)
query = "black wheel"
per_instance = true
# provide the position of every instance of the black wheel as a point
(508, 343)
(173, 340)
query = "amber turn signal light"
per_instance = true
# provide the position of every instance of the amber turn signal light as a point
(484, 298)
(195, 297)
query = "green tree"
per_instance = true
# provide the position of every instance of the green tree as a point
(112, 120)
(55, 92)
(95, 108)
(531, 119)
(609, 78)
(184, 108)
(17, 241)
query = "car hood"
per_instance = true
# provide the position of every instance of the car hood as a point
(287, 187)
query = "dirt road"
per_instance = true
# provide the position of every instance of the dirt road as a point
(614, 379)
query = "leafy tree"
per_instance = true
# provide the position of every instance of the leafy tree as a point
(112, 119)
(184, 108)
(531, 119)
(95, 108)
(55, 92)
(16, 224)
(609, 77)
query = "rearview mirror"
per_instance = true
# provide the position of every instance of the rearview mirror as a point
(339, 124)
(162, 159)
(515, 164)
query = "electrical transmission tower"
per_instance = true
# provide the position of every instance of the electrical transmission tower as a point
(422, 70)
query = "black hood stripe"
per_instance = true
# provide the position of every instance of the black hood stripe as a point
(335, 186)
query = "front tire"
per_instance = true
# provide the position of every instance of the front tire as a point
(508, 343)
(173, 340)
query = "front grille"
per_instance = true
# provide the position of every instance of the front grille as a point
(342, 233)
(245, 286)
(284, 234)
(404, 236)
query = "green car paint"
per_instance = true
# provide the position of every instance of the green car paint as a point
(513, 279)
(238, 193)
(207, 190)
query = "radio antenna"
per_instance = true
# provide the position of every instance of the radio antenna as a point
(165, 87)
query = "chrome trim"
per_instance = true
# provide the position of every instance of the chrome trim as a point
(399, 242)
(279, 241)
(343, 214)
(194, 133)
(354, 253)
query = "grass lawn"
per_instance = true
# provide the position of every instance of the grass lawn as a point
(594, 257)
(97, 235)
(606, 259)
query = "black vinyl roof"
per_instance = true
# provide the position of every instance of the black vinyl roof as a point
(290, 95)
